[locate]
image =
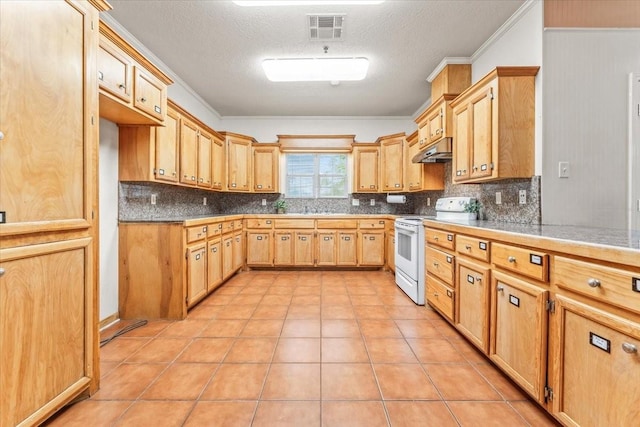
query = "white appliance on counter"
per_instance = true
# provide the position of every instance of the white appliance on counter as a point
(410, 245)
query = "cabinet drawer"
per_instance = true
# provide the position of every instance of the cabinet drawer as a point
(259, 223)
(214, 229)
(440, 264)
(441, 238)
(237, 225)
(614, 286)
(475, 248)
(114, 70)
(337, 223)
(520, 260)
(295, 223)
(441, 297)
(227, 226)
(367, 224)
(196, 233)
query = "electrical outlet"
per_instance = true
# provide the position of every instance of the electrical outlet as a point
(498, 198)
(522, 197)
(154, 199)
(204, 201)
(355, 202)
(264, 202)
(428, 201)
(563, 169)
(372, 202)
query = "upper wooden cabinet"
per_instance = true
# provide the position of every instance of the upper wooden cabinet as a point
(217, 162)
(188, 152)
(493, 127)
(366, 171)
(205, 143)
(392, 162)
(452, 79)
(132, 90)
(266, 166)
(166, 148)
(238, 161)
(436, 122)
(421, 176)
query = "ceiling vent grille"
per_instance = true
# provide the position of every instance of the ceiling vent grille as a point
(326, 27)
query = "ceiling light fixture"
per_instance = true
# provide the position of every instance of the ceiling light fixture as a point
(304, 2)
(315, 69)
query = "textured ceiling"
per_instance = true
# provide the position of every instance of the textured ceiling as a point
(217, 47)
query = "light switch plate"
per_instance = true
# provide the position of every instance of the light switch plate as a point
(264, 202)
(154, 199)
(563, 169)
(372, 202)
(498, 198)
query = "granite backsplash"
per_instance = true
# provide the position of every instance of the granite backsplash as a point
(180, 202)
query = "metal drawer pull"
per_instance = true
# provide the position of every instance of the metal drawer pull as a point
(2, 272)
(435, 264)
(500, 288)
(594, 283)
(435, 238)
(435, 294)
(629, 348)
(511, 259)
(478, 279)
(467, 247)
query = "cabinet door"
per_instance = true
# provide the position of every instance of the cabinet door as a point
(392, 164)
(597, 372)
(238, 164)
(238, 251)
(326, 248)
(371, 248)
(167, 138)
(414, 170)
(265, 169)
(259, 248)
(196, 273)
(150, 94)
(391, 251)
(214, 264)
(217, 164)
(303, 255)
(188, 152)
(461, 142)
(227, 256)
(45, 317)
(366, 169)
(436, 124)
(481, 134)
(473, 303)
(347, 248)
(204, 159)
(519, 332)
(114, 71)
(283, 248)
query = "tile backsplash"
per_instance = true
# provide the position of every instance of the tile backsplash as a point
(173, 202)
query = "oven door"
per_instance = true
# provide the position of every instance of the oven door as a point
(407, 249)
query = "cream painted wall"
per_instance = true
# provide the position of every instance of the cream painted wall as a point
(519, 42)
(586, 116)
(108, 199)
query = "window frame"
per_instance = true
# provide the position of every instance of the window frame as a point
(317, 176)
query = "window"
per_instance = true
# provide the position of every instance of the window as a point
(316, 175)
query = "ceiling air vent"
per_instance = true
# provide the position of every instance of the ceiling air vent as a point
(326, 27)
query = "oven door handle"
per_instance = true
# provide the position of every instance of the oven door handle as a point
(406, 228)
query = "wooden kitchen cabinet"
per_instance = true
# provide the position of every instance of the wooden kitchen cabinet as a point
(371, 247)
(205, 142)
(346, 248)
(518, 339)
(196, 273)
(392, 162)
(440, 272)
(48, 198)
(494, 126)
(283, 248)
(214, 264)
(441, 297)
(391, 249)
(238, 149)
(266, 166)
(218, 160)
(422, 176)
(238, 250)
(133, 91)
(227, 256)
(472, 295)
(166, 148)
(259, 248)
(304, 245)
(596, 371)
(188, 152)
(366, 175)
(327, 248)
(436, 122)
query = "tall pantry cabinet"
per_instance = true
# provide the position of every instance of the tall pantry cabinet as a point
(48, 205)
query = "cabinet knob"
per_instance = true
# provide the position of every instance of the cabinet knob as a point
(435, 264)
(121, 86)
(435, 238)
(478, 279)
(629, 348)
(143, 99)
(1, 135)
(500, 288)
(467, 247)
(594, 283)
(1, 272)
(435, 294)
(511, 259)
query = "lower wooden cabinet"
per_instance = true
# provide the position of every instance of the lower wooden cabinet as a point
(519, 331)
(391, 251)
(214, 264)
(326, 244)
(259, 248)
(304, 246)
(283, 248)
(371, 248)
(196, 273)
(473, 302)
(227, 256)
(440, 296)
(238, 250)
(346, 248)
(596, 371)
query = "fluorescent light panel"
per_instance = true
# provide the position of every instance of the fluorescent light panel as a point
(304, 2)
(315, 69)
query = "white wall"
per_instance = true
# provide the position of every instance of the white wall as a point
(108, 199)
(366, 129)
(586, 115)
(517, 42)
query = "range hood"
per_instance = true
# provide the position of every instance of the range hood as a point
(437, 152)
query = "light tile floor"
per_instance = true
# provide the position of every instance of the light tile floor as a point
(301, 349)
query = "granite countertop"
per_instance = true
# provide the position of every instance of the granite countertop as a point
(579, 238)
